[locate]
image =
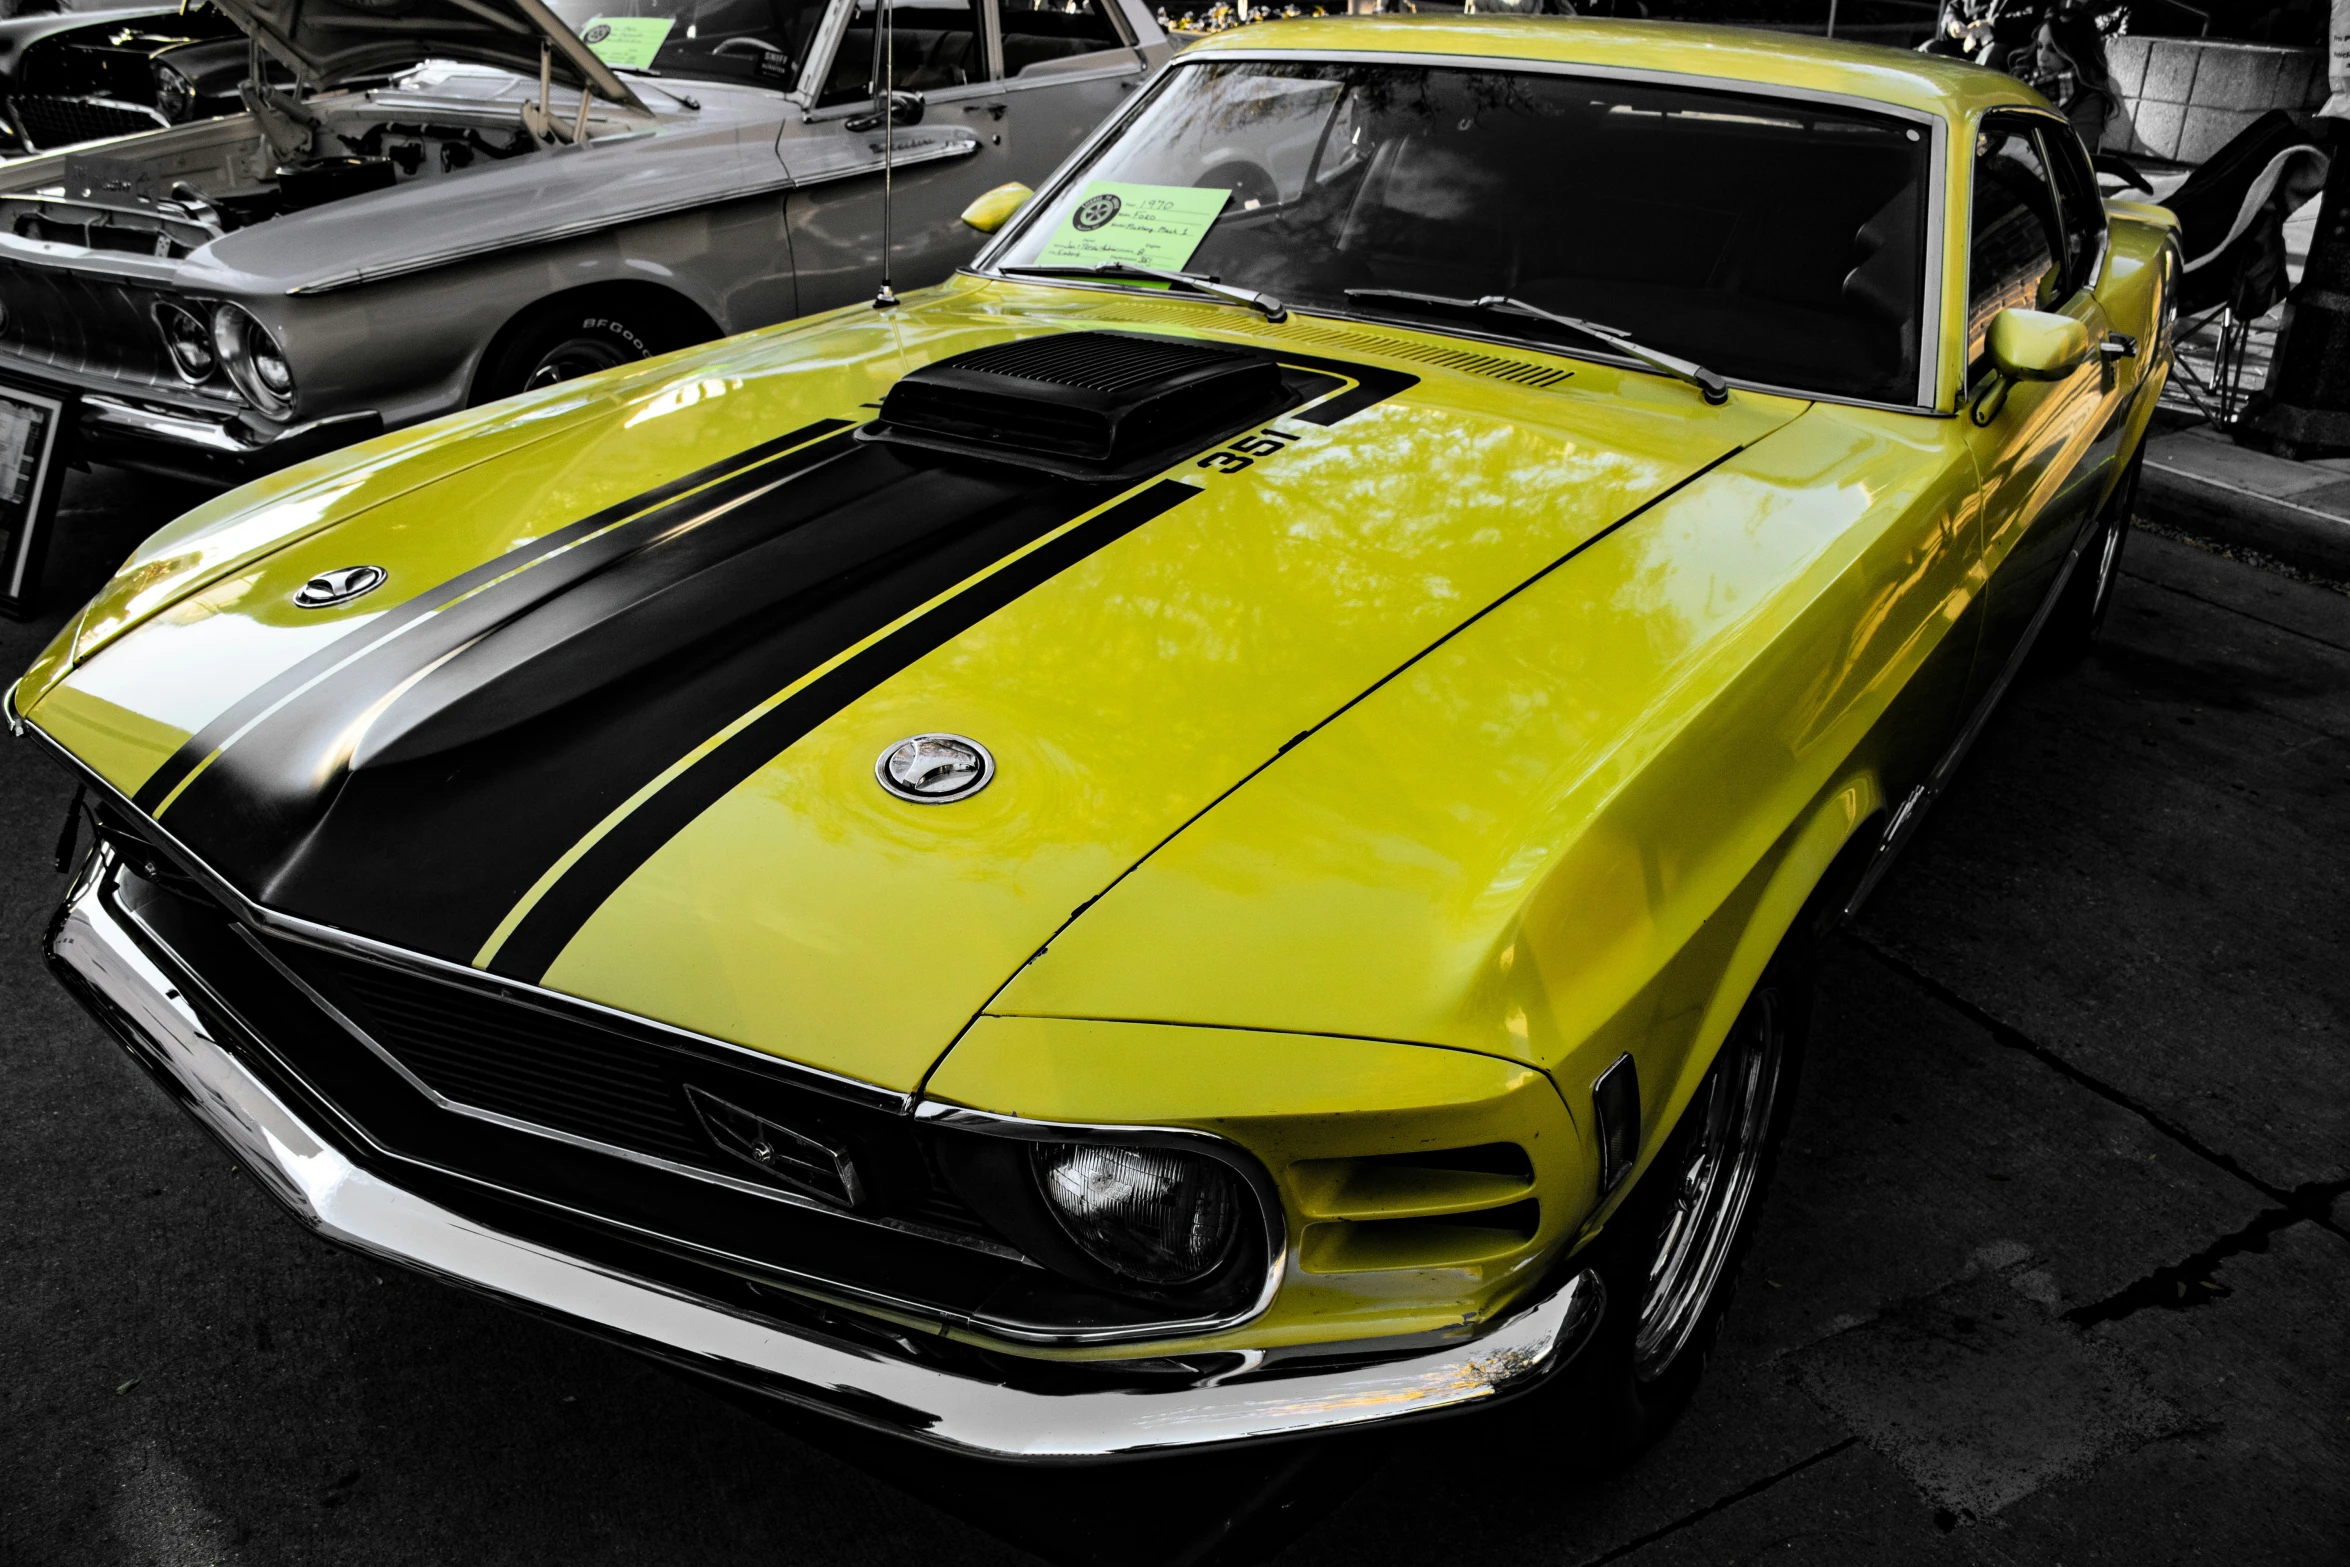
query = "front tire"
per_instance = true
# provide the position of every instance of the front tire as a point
(2078, 619)
(564, 343)
(1671, 1254)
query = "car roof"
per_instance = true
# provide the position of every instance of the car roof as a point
(1934, 84)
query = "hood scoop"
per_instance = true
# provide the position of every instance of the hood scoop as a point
(1083, 405)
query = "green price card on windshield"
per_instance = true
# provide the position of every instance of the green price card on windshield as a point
(629, 42)
(1141, 225)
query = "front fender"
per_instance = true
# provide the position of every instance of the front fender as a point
(1579, 829)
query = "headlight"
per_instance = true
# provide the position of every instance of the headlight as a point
(187, 340)
(1154, 1215)
(254, 360)
(175, 95)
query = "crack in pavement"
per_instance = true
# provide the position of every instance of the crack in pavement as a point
(2299, 1202)
(2189, 1282)
(1717, 1505)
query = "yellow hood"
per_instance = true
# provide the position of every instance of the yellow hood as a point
(611, 722)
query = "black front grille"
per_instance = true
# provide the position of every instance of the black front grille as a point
(616, 1085)
(517, 1061)
(49, 123)
(537, 1060)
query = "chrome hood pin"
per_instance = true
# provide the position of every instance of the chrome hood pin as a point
(339, 586)
(935, 769)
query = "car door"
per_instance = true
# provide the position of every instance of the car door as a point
(953, 150)
(2034, 452)
(1066, 66)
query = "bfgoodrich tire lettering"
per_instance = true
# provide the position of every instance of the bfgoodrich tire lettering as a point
(563, 344)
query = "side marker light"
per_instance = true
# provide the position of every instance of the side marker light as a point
(1615, 1106)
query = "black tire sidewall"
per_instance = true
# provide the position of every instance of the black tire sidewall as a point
(2122, 518)
(627, 331)
(2079, 616)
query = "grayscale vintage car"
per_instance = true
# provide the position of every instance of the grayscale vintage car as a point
(429, 205)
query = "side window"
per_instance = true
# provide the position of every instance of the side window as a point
(1037, 32)
(2014, 252)
(937, 46)
(2082, 204)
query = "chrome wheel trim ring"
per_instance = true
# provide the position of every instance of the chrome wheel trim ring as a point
(1713, 1188)
(571, 359)
(2109, 554)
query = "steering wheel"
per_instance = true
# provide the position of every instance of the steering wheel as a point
(1248, 182)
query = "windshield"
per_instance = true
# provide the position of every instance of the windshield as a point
(1773, 241)
(762, 41)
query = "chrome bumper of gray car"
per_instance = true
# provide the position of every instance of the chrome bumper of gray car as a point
(99, 958)
(207, 445)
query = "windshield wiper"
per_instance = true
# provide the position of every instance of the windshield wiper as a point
(1272, 309)
(1716, 390)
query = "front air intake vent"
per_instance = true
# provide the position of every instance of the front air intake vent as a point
(1093, 405)
(1449, 1208)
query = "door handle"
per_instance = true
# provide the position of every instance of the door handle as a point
(905, 108)
(995, 110)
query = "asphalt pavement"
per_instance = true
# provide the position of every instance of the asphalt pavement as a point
(2054, 1272)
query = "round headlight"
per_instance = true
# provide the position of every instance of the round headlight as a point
(1154, 1215)
(271, 366)
(175, 95)
(187, 340)
(254, 360)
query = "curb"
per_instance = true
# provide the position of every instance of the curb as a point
(2210, 508)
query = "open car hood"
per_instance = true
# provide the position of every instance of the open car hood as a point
(329, 42)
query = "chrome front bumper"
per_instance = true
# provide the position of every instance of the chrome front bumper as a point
(210, 446)
(99, 958)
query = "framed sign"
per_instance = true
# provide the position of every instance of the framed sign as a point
(31, 425)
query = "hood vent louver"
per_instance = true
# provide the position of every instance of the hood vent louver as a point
(1086, 405)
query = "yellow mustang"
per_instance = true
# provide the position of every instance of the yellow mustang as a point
(1213, 830)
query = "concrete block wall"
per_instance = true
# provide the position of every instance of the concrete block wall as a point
(2183, 98)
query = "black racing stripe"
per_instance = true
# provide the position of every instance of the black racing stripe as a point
(506, 753)
(558, 915)
(1373, 384)
(264, 791)
(214, 735)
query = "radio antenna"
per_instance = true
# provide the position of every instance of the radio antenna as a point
(887, 300)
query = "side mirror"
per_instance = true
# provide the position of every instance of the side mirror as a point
(994, 209)
(2038, 345)
(2029, 345)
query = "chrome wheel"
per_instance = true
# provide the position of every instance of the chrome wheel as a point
(1721, 1165)
(577, 357)
(2107, 564)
